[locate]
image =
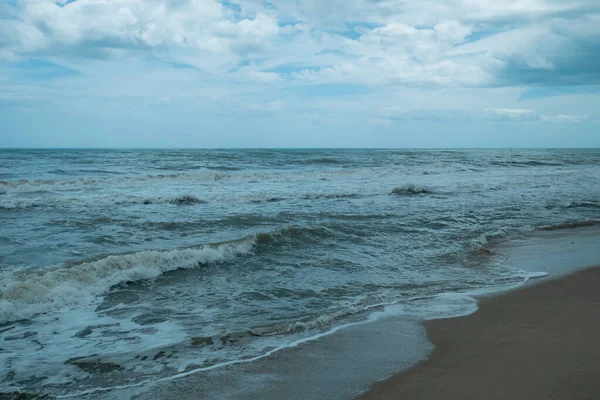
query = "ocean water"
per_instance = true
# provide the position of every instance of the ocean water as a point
(119, 267)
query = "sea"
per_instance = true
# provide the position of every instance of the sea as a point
(120, 268)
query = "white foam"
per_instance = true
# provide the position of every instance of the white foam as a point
(40, 349)
(25, 356)
(377, 315)
(60, 346)
(19, 204)
(534, 275)
(445, 305)
(412, 189)
(25, 294)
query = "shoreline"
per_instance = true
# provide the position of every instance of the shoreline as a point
(346, 363)
(536, 342)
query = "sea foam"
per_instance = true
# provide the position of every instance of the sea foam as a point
(27, 293)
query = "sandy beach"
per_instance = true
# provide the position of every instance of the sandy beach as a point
(540, 342)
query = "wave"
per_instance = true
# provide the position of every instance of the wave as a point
(272, 199)
(185, 199)
(98, 171)
(584, 204)
(318, 322)
(332, 196)
(411, 189)
(204, 174)
(224, 168)
(234, 221)
(27, 293)
(443, 305)
(568, 225)
(28, 204)
(297, 234)
(125, 199)
(323, 161)
(527, 163)
(20, 204)
(24, 204)
(257, 199)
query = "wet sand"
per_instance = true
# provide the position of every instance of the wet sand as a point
(540, 342)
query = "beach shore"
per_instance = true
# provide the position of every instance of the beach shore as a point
(537, 341)
(540, 342)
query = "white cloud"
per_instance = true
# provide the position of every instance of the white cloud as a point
(102, 28)
(413, 42)
(342, 63)
(401, 53)
(516, 114)
(409, 114)
(258, 76)
(332, 13)
(510, 113)
(564, 118)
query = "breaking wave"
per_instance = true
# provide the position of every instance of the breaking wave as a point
(19, 204)
(27, 293)
(568, 225)
(125, 199)
(527, 163)
(584, 204)
(410, 189)
(185, 199)
(29, 204)
(272, 199)
(204, 174)
(332, 196)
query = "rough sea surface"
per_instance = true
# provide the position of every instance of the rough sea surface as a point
(124, 266)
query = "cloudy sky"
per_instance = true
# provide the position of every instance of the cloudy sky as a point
(299, 73)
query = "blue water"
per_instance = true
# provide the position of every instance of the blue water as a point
(119, 266)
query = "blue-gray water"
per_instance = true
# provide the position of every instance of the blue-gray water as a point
(119, 266)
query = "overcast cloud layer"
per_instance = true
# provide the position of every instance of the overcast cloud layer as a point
(308, 73)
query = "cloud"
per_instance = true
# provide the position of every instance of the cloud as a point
(390, 114)
(403, 54)
(124, 28)
(408, 113)
(464, 43)
(564, 118)
(510, 113)
(417, 12)
(558, 51)
(300, 64)
(453, 43)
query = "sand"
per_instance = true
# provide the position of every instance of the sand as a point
(539, 342)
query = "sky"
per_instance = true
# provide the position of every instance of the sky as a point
(299, 73)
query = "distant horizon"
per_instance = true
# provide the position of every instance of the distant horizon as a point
(300, 148)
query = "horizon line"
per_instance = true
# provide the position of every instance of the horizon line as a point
(300, 148)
